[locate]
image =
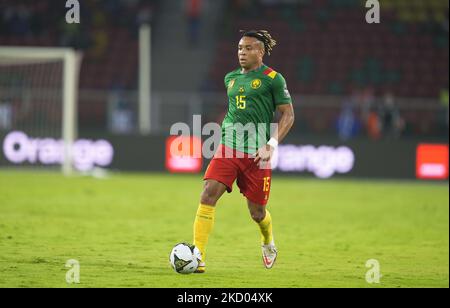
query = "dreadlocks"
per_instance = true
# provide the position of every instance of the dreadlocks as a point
(262, 36)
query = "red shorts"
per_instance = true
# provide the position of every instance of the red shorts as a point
(253, 182)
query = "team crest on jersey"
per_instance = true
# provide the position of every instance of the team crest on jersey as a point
(256, 83)
(231, 84)
(241, 89)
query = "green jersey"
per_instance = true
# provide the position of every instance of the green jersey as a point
(252, 101)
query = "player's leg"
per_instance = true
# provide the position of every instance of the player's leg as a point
(204, 219)
(212, 191)
(255, 184)
(219, 177)
(262, 217)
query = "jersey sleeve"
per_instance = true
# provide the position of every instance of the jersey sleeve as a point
(280, 91)
(227, 80)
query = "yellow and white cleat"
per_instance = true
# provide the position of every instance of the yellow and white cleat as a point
(201, 268)
(269, 255)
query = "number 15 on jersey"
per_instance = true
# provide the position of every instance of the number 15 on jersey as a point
(240, 102)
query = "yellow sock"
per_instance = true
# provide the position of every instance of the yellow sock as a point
(265, 227)
(203, 225)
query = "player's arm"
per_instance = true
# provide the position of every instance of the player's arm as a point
(284, 106)
(285, 124)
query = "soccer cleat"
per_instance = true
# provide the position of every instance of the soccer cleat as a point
(201, 268)
(269, 255)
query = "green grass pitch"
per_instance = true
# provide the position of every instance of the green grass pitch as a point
(122, 229)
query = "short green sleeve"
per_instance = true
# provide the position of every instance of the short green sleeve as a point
(227, 79)
(280, 91)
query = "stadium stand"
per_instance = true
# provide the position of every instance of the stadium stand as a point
(325, 49)
(107, 35)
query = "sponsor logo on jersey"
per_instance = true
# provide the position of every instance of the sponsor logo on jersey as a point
(241, 89)
(231, 83)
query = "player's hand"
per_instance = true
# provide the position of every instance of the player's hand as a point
(264, 154)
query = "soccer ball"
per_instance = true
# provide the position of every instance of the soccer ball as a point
(185, 258)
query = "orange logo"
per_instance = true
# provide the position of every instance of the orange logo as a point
(432, 161)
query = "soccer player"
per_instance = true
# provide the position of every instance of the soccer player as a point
(255, 92)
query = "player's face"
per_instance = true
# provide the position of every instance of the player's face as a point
(250, 52)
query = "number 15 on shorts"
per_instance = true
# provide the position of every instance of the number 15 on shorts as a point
(266, 187)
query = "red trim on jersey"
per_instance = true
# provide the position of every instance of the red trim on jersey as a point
(268, 71)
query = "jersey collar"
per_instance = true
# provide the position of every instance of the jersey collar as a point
(259, 69)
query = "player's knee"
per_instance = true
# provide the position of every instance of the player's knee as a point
(258, 216)
(209, 196)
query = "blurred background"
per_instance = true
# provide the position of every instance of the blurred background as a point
(380, 90)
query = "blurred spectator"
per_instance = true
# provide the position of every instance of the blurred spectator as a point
(393, 124)
(366, 101)
(193, 15)
(5, 116)
(373, 124)
(120, 114)
(348, 124)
